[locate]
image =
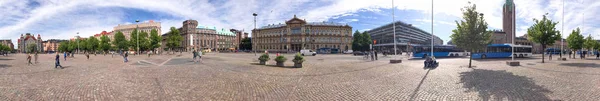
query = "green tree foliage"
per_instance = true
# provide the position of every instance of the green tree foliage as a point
(246, 44)
(144, 42)
(120, 42)
(174, 39)
(93, 44)
(63, 46)
(589, 43)
(543, 32)
(155, 39)
(133, 40)
(83, 45)
(4, 48)
(361, 41)
(471, 33)
(31, 48)
(575, 40)
(356, 44)
(104, 44)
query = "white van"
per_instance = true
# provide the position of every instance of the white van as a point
(308, 52)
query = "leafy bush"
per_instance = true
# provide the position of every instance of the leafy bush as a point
(280, 58)
(298, 58)
(264, 57)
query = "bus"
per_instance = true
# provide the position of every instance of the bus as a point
(503, 51)
(552, 51)
(438, 51)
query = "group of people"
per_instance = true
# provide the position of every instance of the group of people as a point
(581, 55)
(29, 58)
(197, 55)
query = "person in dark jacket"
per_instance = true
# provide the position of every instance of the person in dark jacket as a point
(57, 61)
(125, 56)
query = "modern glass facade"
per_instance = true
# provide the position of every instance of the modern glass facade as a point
(406, 34)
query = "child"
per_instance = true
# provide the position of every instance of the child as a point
(29, 59)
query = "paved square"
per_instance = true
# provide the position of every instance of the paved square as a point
(235, 76)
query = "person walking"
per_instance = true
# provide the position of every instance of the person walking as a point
(125, 56)
(65, 56)
(29, 59)
(550, 56)
(199, 53)
(57, 64)
(597, 55)
(195, 54)
(87, 55)
(35, 56)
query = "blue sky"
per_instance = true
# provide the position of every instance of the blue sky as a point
(62, 19)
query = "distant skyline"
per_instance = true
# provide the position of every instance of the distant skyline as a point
(62, 19)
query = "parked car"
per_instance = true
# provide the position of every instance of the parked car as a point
(308, 52)
(358, 53)
(348, 52)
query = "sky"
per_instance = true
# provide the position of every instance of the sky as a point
(62, 19)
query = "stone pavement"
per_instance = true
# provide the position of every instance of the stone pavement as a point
(235, 76)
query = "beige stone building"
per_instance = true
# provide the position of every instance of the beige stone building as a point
(297, 34)
(8, 43)
(197, 36)
(51, 45)
(145, 26)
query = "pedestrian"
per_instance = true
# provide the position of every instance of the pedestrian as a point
(57, 61)
(125, 56)
(195, 54)
(570, 53)
(375, 55)
(65, 56)
(199, 56)
(597, 55)
(36, 57)
(550, 55)
(29, 59)
(87, 55)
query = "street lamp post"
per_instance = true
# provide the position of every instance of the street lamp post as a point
(254, 39)
(77, 40)
(394, 28)
(138, 36)
(432, 28)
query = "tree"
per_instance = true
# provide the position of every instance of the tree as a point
(93, 44)
(63, 46)
(133, 40)
(366, 41)
(32, 48)
(575, 40)
(119, 41)
(356, 44)
(246, 44)
(144, 41)
(173, 39)
(543, 32)
(83, 45)
(155, 40)
(589, 43)
(471, 33)
(104, 44)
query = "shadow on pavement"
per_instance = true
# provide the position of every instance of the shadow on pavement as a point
(5, 65)
(414, 93)
(587, 65)
(502, 85)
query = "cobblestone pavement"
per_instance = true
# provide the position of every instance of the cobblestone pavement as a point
(236, 76)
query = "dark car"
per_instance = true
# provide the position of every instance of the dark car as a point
(358, 53)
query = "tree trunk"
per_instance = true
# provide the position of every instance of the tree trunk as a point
(470, 58)
(543, 54)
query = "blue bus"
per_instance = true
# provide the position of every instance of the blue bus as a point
(552, 51)
(438, 51)
(503, 51)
